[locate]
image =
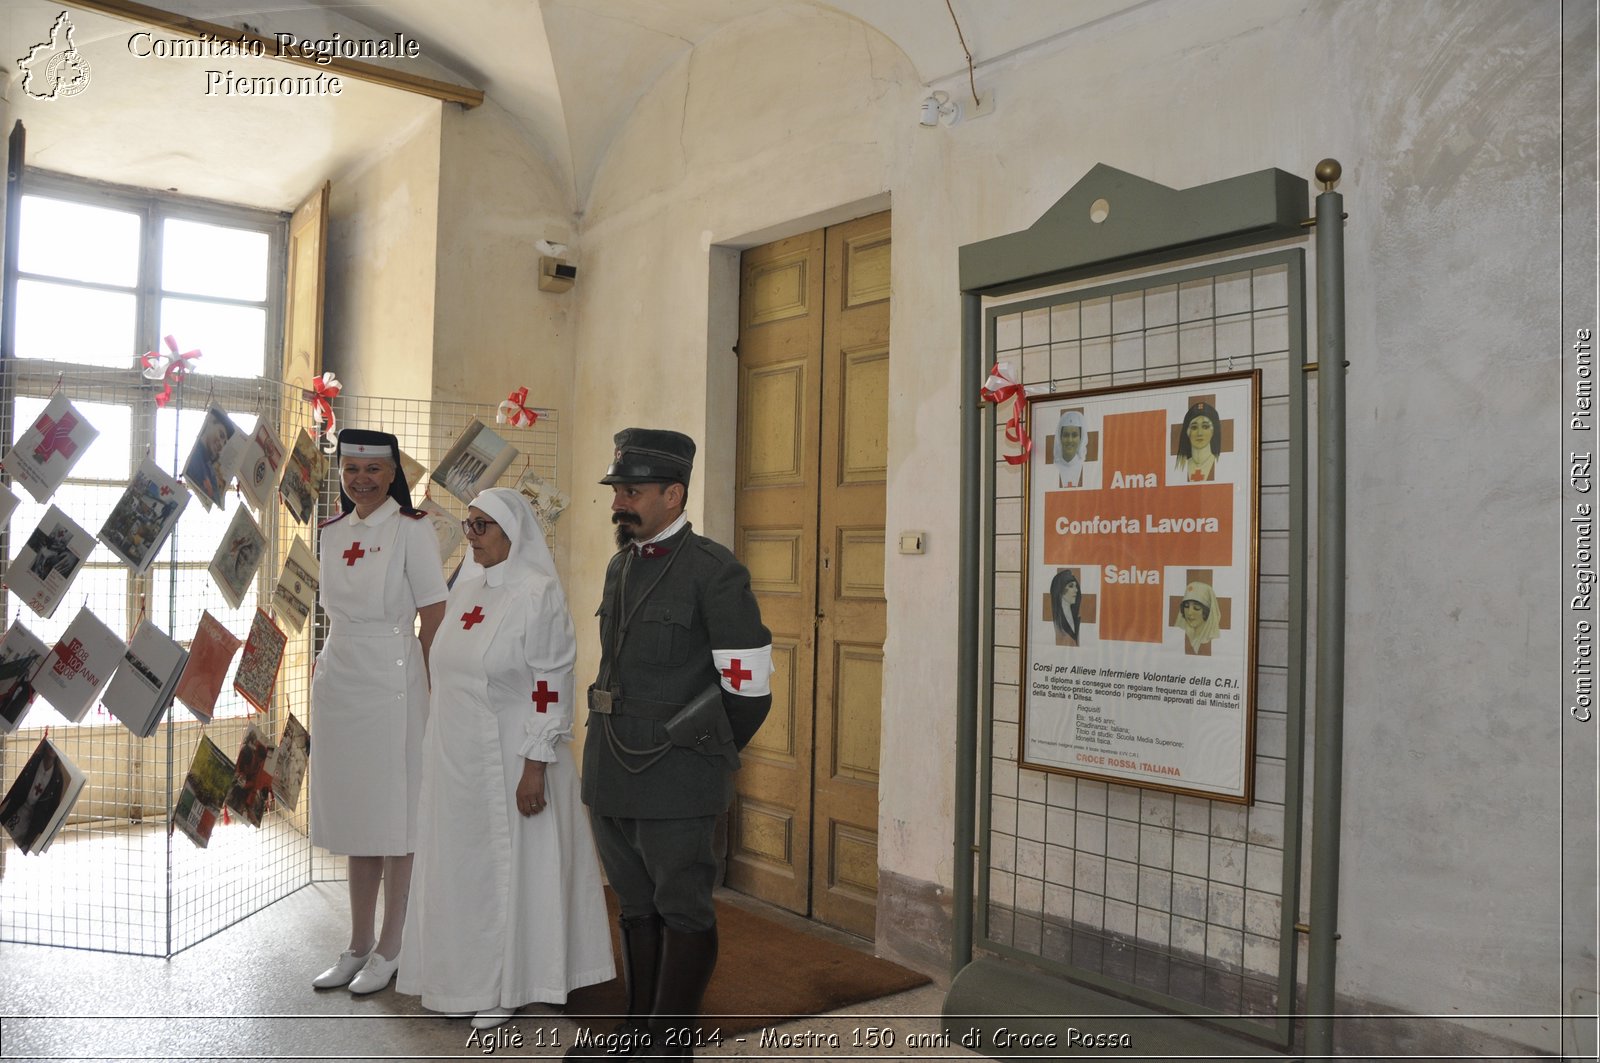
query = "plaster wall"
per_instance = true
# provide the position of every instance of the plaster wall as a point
(698, 173)
(382, 263)
(493, 329)
(1446, 118)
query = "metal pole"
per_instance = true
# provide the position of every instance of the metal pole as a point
(971, 378)
(1329, 749)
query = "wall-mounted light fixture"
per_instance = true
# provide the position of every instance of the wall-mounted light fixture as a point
(939, 107)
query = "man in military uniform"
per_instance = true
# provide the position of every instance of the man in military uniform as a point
(684, 683)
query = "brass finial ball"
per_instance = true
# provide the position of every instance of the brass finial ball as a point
(1328, 171)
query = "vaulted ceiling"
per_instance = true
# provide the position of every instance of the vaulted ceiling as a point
(569, 71)
(572, 70)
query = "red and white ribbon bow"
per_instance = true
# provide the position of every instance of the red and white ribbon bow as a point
(513, 411)
(171, 368)
(324, 390)
(1001, 386)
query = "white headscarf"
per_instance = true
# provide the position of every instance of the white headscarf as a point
(530, 555)
(1071, 471)
(1211, 625)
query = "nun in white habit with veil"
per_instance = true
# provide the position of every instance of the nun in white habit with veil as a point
(507, 907)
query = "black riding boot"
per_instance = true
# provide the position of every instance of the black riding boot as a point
(641, 958)
(687, 960)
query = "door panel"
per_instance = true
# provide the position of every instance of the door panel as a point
(780, 345)
(852, 610)
(813, 418)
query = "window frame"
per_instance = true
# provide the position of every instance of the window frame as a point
(154, 208)
(38, 378)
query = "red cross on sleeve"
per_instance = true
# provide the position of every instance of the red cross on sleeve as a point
(736, 674)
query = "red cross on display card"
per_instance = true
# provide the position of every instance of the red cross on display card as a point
(144, 516)
(1139, 629)
(49, 447)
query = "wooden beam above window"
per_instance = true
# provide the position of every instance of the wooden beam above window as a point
(351, 68)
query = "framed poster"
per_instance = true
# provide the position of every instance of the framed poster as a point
(1139, 618)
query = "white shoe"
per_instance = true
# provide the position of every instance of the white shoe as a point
(378, 973)
(341, 973)
(489, 1018)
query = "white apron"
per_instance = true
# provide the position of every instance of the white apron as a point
(505, 909)
(369, 693)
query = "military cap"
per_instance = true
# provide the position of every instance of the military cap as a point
(650, 455)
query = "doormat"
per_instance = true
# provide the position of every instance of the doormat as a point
(766, 974)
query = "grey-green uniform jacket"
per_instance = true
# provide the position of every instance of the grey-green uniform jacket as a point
(701, 602)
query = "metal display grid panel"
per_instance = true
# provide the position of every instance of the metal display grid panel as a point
(114, 879)
(1176, 900)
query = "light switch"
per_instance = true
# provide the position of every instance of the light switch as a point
(911, 543)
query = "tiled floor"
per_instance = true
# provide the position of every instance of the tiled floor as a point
(244, 994)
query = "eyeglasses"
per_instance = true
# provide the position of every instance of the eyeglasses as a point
(478, 526)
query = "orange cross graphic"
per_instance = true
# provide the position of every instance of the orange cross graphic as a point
(1134, 526)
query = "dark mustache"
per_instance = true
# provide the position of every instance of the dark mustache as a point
(622, 516)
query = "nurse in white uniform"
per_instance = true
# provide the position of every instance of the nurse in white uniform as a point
(369, 696)
(508, 908)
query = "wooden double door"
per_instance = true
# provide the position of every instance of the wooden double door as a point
(809, 518)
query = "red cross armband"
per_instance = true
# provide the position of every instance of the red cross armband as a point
(747, 673)
(550, 722)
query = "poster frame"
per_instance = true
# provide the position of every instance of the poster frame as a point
(1033, 562)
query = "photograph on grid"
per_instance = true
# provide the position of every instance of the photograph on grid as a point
(415, 472)
(218, 449)
(8, 503)
(296, 593)
(49, 561)
(35, 808)
(21, 655)
(548, 499)
(238, 557)
(446, 528)
(302, 477)
(80, 665)
(205, 789)
(210, 654)
(287, 765)
(48, 449)
(257, 674)
(252, 785)
(144, 516)
(262, 465)
(146, 680)
(475, 463)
